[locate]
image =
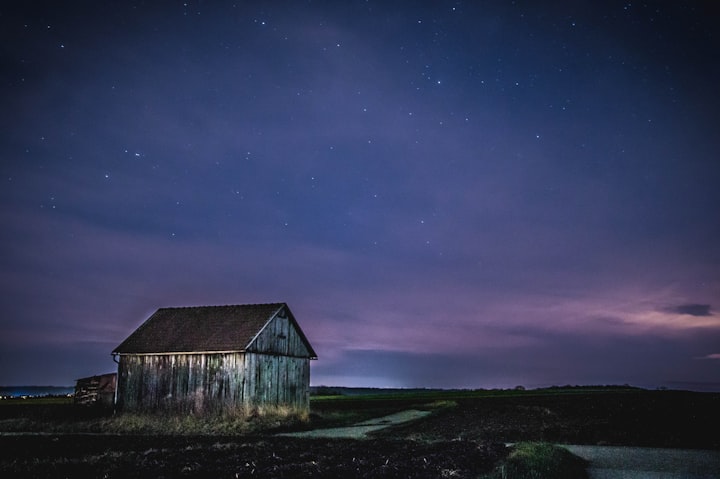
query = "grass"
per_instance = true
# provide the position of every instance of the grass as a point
(70, 418)
(43, 401)
(539, 460)
(241, 422)
(424, 396)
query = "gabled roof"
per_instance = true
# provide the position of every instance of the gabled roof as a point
(204, 329)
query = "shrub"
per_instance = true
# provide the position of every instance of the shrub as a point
(537, 460)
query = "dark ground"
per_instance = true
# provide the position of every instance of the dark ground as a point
(463, 437)
(670, 419)
(156, 457)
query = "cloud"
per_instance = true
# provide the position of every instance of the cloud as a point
(690, 309)
(710, 356)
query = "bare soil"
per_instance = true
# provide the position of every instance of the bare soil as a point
(462, 437)
(269, 457)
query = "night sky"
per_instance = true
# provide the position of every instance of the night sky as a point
(446, 194)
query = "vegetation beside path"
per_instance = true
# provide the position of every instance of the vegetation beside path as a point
(539, 460)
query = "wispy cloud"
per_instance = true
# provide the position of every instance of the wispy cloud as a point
(710, 356)
(691, 309)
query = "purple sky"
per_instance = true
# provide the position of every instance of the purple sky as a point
(446, 194)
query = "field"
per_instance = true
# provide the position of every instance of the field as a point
(463, 437)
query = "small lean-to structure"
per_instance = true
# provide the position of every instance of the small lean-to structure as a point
(215, 359)
(96, 390)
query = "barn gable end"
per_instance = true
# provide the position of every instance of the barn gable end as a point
(281, 335)
(216, 358)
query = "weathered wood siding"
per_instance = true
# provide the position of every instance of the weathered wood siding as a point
(213, 382)
(279, 336)
(277, 380)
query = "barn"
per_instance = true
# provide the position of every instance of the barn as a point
(215, 359)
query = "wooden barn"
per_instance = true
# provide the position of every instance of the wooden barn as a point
(215, 359)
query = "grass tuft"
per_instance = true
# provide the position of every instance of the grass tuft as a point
(539, 460)
(442, 404)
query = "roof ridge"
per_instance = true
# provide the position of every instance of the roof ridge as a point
(223, 305)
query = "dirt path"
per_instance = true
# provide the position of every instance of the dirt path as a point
(361, 429)
(610, 462)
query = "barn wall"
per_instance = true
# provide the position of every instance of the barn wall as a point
(211, 382)
(279, 336)
(277, 380)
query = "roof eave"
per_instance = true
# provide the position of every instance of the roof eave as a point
(168, 353)
(188, 353)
